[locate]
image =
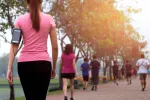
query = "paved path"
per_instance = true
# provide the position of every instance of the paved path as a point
(111, 91)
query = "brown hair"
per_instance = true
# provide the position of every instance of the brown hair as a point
(34, 13)
(68, 49)
(142, 55)
(86, 59)
(94, 56)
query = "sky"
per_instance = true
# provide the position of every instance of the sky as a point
(140, 22)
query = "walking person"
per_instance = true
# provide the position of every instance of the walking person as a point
(123, 72)
(68, 70)
(128, 68)
(135, 73)
(95, 67)
(142, 66)
(34, 63)
(85, 67)
(115, 72)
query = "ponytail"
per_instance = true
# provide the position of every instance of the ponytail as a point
(34, 13)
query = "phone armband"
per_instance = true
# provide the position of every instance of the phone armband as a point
(16, 36)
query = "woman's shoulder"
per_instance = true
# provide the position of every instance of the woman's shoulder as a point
(21, 18)
(72, 55)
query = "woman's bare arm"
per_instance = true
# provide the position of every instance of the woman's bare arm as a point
(12, 53)
(53, 38)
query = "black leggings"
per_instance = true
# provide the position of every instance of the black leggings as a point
(115, 74)
(35, 78)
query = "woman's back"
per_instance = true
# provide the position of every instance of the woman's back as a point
(35, 43)
(67, 61)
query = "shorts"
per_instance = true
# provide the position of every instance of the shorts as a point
(68, 75)
(86, 78)
(115, 74)
(143, 76)
(128, 74)
(122, 73)
(95, 80)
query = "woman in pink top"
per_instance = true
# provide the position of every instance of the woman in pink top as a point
(68, 69)
(34, 64)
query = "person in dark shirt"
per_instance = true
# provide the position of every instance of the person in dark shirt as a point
(85, 72)
(115, 72)
(128, 68)
(95, 67)
(123, 72)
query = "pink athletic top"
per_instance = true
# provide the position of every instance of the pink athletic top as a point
(34, 43)
(67, 61)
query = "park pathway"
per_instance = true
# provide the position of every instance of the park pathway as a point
(111, 91)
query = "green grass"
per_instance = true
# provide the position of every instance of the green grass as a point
(17, 81)
(5, 93)
(49, 93)
(4, 81)
(56, 80)
(57, 91)
(20, 98)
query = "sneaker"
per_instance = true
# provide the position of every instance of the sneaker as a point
(130, 81)
(142, 89)
(116, 82)
(92, 88)
(71, 99)
(65, 98)
(83, 88)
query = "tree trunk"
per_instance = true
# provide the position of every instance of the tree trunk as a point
(60, 81)
(110, 73)
(12, 93)
(110, 68)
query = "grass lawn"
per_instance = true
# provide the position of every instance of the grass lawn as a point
(20, 98)
(4, 81)
(17, 81)
(5, 93)
(49, 93)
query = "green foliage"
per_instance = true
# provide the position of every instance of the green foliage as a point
(99, 23)
(9, 10)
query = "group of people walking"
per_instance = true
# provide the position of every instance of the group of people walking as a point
(127, 71)
(35, 68)
(69, 71)
(142, 66)
(94, 66)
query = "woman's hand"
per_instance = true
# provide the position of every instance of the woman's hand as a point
(9, 76)
(76, 75)
(53, 74)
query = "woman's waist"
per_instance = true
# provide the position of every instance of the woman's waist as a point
(31, 52)
(68, 69)
(68, 66)
(32, 56)
(34, 48)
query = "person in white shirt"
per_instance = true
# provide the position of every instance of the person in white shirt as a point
(142, 65)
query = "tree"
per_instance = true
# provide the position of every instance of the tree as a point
(10, 9)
